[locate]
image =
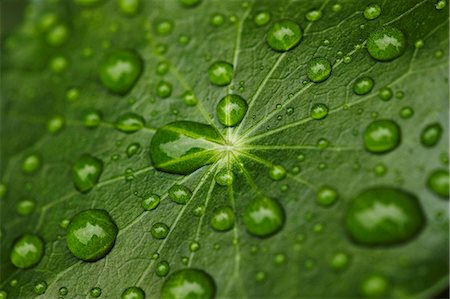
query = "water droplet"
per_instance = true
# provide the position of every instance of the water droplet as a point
(159, 230)
(277, 172)
(263, 217)
(438, 54)
(164, 28)
(217, 20)
(231, 109)
(63, 291)
(180, 194)
(336, 7)
(55, 124)
(419, 44)
(129, 123)
(133, 293)
(58, 64)
(91, 234)
(224, 177)
(190, 3)
(189, 283)
(339, 261)
(189, 98)
(40, 287)
(323, 143)
(314, 15)
(319, 111)
(222, 219)
(374, 286)
(440, 4)
(86, 172)
(382, 136)
(386, 43)
(406, 112)
(14, 283)
(380, 169)
(92, 119)
(194, 246)
(27, 251)
(363, 85)
(385, 94)
(399, 94)
(72, 94)
(129, 8)
(199, 211)
(151, 202)
(318, 69)
(326, 196)
(289, 111)
(95, 292)
(284, 35)
(301, 157)
(31, 163)
(431, 135)
(372, 11)
(260, 276)
(438, 183)
(120, 71)
(162, 268)
(262, 18)
(133, 149)
(57, 35)
(220, 73)
(25, 207)
(384, 215)
(3, 294)
(280, 259)
(164, 89)
(184, 40)
(162, 68)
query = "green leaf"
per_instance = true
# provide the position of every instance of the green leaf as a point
(300, 147)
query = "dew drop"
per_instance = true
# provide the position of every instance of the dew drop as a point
(406, 112)
(189, 283)
(57, 35)
(27, 251)
(339, 261)
(318, 69)
(438, 183)
(55, 124)
(133, 149)
(25, 207)
(40, 287)
(380, 169)
(63, 291)
(129, 123)
(189, 98)
(133, 293)
(280, 259)
(385, 94)
(336, 7)
(262, 18)
(383, 216)
(120, 71)
(194, 246)
(372, 11)
(277, 172)
(326, 196)
(180, 194)
(284, 35)
(190, 3)
(151, 202)
(95, 292)
(86, 172)
(440, 4)
(217, 20)
(224, 177)
(58, 64)
(162, 68)
(92, 119)
(363, 85)
(31, 163)
(263, 217)
(382, 136)
(222, 219)
(374, 286)
(314, 15)
(162, 268)
(91, 234)
(129, 7)
(431, 135)
(164, 89)
(164, 28)
(159, 230)
(72, 94)
(3, 294)
(231, 109)
(319, 111)
(386, 43)
(220, 73)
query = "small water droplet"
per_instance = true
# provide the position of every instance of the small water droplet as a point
(385, 94)
(314, 15)
(129, 122)
(32, 163)
(224, 177)
(222, 219)
(86, 172)
(336, 7)
(284, 35)
(164, 27)
(380, 169)
(319, 111)
(440, 4)
(180, 194)
(277, 173)
(374, 286)
(438, 183)
(406, 112)
(95, 292)
(58, 64)
(194, 246)
(40, 287)
(57, 35)
(231, 109)
(220, 73)
(326, 196)
(382, 136)
(372, 11)
(129, 7)
(55, 124)
(262, 18)
(92, 119)
(27, 251)
(63, 291)
(25, 206)
(181, 282)
(431, 135)
(133, 293)
(263, 217)
(318, 69)
(151, 202)
(363, 85)
(164, 89)
(162, 268)
(159, 230)
(339, 261)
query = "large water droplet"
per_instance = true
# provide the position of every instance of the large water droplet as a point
(263, 217)
(184, 146)
(189, 284)
(91, 234)
(383, 215)
(386, 43)
(120, 71)
(382, 136)
(231, 109)
(222, 219)
(220, 73)
(86, 172)
(129, 122)
(438, 183)
(431, 135)
(318, 69)
(284, 35)
(27, 251)
(133, 293)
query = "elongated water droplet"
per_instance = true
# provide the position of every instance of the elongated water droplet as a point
(431, 135)
(438, 183)
(180, 194)
(31, 163)
(188, 284)
(382, 136)
(120, 71)
(383, 216)
(220, 73)
(159, 230)
(27, 251)
(440, 4)
(386, 43)
(262, 18)
(151, 202)
(91, 234)
(363, 85)
(318, 69)
(263, 217)
(284, 35)
(372, 11)
(129, 122)
(231, 109)
(222, 219)
(190, 3)
(86, 172)
(183, 147)
(319, 111)
(133, 293)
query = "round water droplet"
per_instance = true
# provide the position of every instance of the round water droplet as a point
(194, 246)
(284, 35)
(382, 136)
(385, 94)
(277, 173)
(326, 196)
(374, 286)
(372, 11)
(159, 230)
(386, 43)
(27, 251)
(220, 73)
(91, 234)
(133, 149)
(262, 18)
(120, 71)
(217, 20)
(222, 219)
(95, 292)
(58, 64)
(40, 287)
(164, 27)
(129, 7)
(318, 69)
(25, 207)
(406, 112)
(190, 3)
(263, 217)
(57, 35)
(151, 202)
(314, 15)
(231, 109)
(380, 169)
(383, 216)
(129, 122)
(182, 147)
(339, 261)
(440, 4)
(162, 68)
(189, 98)
(319, 111)
(92, 119)
(180, 194)
(162, 268)
(55, 124)
(188, 284)
(438, 183)
(224, 177)
(363, 85)
(336, 7)
(133, 293)
(31, 163)
(164, 89)
(63, 291)
(86, 172)
(431, 135)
